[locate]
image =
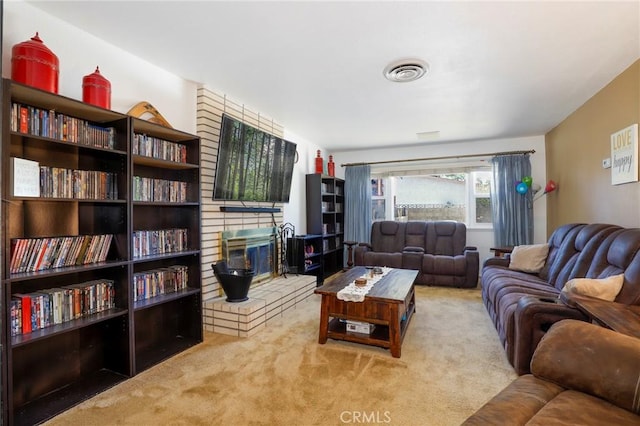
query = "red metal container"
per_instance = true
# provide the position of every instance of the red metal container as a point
(33, 64)
(319, 163)
(96, 90)
(331, 166)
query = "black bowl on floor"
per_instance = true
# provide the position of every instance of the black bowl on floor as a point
(234, 282)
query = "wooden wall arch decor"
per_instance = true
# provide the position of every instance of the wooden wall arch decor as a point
(142, 108)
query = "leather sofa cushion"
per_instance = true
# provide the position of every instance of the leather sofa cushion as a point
(595, 366)
(445, 238)
(414, 234)
(444, 265)
(391, 260)
(576, 408)
(388, 236)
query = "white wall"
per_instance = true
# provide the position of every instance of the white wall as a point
(295, 212)
(481, 238)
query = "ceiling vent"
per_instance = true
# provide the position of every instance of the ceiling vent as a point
(405, 70)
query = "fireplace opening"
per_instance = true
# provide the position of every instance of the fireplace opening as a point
(251, 249)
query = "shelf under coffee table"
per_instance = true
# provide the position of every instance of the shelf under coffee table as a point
(389, 305)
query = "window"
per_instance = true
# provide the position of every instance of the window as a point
(378, 211)
(480, 199)
(463, 197)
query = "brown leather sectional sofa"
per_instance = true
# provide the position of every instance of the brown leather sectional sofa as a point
(436, 249)
(582, 374)
(523, 306)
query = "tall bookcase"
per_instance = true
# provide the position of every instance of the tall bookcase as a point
(111, 262)
(325, 216)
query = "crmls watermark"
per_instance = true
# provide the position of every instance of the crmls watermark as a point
(365, 417)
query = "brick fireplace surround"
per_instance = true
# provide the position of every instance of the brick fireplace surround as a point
(267, 301)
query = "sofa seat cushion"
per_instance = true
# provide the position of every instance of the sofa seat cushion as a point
(391, 260)
(577, 408)
(444, 265)
(497, 279)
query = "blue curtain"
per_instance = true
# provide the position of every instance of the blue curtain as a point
(357, 190)
(512, 211)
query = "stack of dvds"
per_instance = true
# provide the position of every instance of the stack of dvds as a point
(52, 306)
(50, 124)
(161, 281)
(38, 254)
(159, 148)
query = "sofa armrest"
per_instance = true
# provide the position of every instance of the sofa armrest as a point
(359, 251)
(497, 261)
(533, 317)
(595, 360)
(472, 258)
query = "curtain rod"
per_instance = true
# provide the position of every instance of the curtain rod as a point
(447, 157)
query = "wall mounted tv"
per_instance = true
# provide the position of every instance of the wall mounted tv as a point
(252, 165)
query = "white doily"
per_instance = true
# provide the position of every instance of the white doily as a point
(354, 293)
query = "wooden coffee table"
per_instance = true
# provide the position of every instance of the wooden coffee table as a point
(389, 305)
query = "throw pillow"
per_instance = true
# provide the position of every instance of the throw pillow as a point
(529, 258)
(603, 288)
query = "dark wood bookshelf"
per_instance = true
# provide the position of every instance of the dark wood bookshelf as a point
(50, 369)
(164, 298)
(51, 331)
(54, 403)
(325, 217)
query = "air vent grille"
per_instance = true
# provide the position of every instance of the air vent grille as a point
(406, 70)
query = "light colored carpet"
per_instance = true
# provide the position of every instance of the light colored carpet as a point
(451, 364)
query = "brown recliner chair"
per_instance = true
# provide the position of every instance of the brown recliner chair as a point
(436, 249)
(582, 374)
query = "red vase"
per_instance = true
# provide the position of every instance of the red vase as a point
(33, 64)
(96, 90)
(319, 163)
(331, 166)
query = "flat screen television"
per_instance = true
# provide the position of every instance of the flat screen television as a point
(252, 165)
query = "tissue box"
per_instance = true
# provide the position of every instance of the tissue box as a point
(360, 327)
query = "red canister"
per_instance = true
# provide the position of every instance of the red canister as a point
(96, 90)
(319, 163)
(33, 64)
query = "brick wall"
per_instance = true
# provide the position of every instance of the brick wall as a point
(210, 108)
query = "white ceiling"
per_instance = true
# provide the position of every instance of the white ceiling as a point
(497, 69)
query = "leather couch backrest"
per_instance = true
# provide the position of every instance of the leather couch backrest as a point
(447, 238)
(579, 252)
(620, 253)
(388, 236)
(556, 256)
(414, 234)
